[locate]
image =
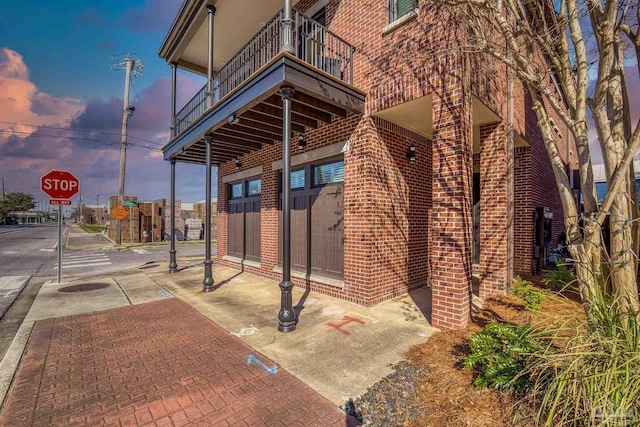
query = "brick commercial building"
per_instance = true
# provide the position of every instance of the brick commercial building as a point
(403, 173)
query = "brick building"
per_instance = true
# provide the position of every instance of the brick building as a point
(403, 174)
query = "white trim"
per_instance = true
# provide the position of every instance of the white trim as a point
(400, 21)
(241, 261)
(315, 155)
(237, 176)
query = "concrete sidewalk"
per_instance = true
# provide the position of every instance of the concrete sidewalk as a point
(339, 349)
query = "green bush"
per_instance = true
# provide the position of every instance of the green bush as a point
(593, 377)
(499, 353)
(559, 279)
(529, 294)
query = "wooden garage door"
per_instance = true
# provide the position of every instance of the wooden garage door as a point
(243, 232)
(317, 237)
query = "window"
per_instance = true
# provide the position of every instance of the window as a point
(399, 8)
(254, 187)
(328, 173)
(297, 179)
(235, 190)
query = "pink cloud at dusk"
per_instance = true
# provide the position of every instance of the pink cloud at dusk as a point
(64, 134)
(20, 100)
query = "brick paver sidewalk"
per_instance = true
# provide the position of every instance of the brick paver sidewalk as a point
(161, 364)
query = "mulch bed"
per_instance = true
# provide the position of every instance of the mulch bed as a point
(431, 388)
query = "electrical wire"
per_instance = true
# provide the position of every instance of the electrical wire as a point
(26, 134)
(82, 130)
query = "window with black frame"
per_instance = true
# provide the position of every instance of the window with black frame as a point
(399, 8)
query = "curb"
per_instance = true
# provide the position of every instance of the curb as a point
(11, 360)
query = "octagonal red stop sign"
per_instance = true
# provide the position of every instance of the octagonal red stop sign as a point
(59, 184)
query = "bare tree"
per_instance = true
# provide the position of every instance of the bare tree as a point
(578, 47)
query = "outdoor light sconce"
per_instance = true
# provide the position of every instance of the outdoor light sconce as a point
(238, 164)
(411, 154)
(302, 143)
(234, 119)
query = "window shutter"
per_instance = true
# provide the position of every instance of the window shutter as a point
(404, 7)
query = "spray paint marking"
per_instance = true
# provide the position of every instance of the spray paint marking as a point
(345, 321)
(246, 331)
(270, 371)
(165, 294)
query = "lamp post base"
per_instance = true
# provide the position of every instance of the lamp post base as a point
(286, 315)
(173, 265)
(207, 283)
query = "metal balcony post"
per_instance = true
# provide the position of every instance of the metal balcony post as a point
(286, 316)
(287, 29)
(207, 283)
(211, 11)
(173, 265)
(174, 68)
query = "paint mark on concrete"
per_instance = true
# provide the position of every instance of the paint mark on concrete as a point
(253, 359)
(345, 321)
(367, 317)
(246, 331)
(46, 250)
(165, 294)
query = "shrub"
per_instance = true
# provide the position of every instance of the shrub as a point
(593, 377)
(561, 278)
(529, 294)
(499, 353)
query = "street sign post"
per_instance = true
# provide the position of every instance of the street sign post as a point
(60, 186)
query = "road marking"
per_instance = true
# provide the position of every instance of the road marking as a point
(46, 250)
(140, 251)
(84, 260)
(9, 252)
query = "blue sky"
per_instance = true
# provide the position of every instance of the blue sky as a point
(56, 72)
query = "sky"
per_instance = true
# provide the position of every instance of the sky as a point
(61, 97)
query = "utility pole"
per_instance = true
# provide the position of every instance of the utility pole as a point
(126, 113)
(98, 209)
(132, 67)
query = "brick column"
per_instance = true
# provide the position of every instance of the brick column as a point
(452, 215)
(493, 209)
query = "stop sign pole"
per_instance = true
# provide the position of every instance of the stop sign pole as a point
(60, 186)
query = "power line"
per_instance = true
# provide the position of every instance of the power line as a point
(80, 130)
(76, 139)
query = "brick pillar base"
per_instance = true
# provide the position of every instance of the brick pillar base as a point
(452, 217)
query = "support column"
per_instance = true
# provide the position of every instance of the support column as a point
(494, 221)
(287, 29)
(174, 68)
(452, 215)
(173, 265)
(211, 12)
(286, 316)
(207, 283)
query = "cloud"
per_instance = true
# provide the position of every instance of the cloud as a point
(22, 102)
(152, 16)
(85, 139)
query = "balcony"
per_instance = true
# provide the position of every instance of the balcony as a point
(246, 87)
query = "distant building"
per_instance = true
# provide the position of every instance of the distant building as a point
(600, 178)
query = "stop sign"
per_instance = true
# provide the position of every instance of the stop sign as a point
(59, 184)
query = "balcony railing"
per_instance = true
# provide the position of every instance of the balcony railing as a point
(313, 43)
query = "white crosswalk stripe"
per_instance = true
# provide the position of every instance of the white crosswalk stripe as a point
(84, 260)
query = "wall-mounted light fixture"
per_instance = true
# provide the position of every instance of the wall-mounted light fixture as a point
(411, 154)
(181, 152)
(238, 164)
(302, 143)
(234, 119)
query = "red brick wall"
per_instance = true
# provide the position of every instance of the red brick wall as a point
(407, 224)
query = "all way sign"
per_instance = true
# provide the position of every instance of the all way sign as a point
(61, 202)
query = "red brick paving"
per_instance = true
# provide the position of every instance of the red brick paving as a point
(155, 364)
